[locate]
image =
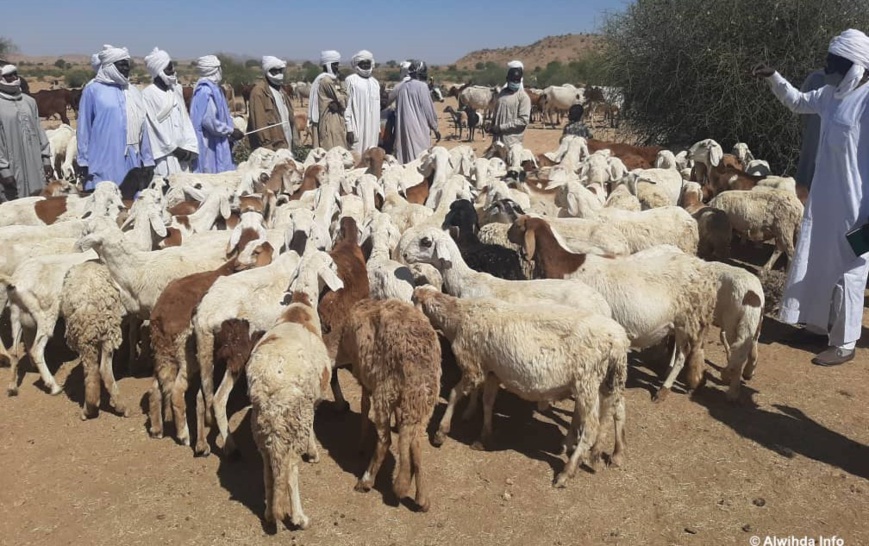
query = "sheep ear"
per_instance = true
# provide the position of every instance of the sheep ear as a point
(572, 204)
(715, 155)
(442, 253)
(331, 279)
(224, 209)
(530, 245)
(234, 237)
(157, 224)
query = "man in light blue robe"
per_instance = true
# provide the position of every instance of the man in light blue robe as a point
(111, 131)
(212, 120)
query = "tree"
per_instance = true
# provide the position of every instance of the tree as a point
(480, 65)
(308, 64)
(61, 64)
(391, 63)
(252, 63)
(680, 87)
(78, 77)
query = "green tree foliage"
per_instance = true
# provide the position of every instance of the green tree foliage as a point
(77, 77)
(61, 64)
(235, 73)
(252, 63)
(684, 67)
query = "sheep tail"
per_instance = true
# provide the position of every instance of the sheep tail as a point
(617, 371)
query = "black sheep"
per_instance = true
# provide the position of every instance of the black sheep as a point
(495, 260)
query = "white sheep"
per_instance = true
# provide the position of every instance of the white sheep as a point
(38, 211)
(585, 357)
(758, 167)
(742, 153)
(386, 277)
(622, 198)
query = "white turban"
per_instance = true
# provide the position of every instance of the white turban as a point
(270, 62)
(854, 46)
(516, 64)
(403, 69)
(111, 55)
(95, 61)
(8, 69)
(209, 68)
(329, 56)
(363, 55)
(156, 62)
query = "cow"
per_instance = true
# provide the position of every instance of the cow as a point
(53, 101)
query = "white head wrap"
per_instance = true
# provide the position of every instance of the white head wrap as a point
(209, 68)
(10, 88)
(519, 65)
(854, 46)
(268, 63)
(95, 61)
(403, 69)
(156, 62)
(108, 72)
(327, 58)
(363, 55)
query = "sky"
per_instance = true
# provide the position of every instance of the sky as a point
(438, 32)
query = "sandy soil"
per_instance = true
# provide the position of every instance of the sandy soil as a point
(790, 459)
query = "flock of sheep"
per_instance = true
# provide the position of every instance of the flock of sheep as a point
(541, 273)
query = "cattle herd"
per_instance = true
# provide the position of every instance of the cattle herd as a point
(534, 272)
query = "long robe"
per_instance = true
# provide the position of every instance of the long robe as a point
(415, 118)
(101, 135)
(169, 128)
(264, 111)
(23, 144)
(839, 199)
(314, 108)
(362, 115)
(512, 115)
(811, 133)
(331, 129)
(213, 125)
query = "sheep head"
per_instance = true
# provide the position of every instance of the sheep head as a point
(428, 245)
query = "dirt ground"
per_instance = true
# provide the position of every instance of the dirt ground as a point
(791, 459)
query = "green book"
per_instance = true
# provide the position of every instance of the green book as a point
(859, 239)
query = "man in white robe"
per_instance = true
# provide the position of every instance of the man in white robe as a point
(173, 140)
(362, 115)
(826, 280)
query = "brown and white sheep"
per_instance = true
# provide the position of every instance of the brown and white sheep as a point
(396, 357)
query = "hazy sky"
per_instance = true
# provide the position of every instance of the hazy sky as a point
(436, 31)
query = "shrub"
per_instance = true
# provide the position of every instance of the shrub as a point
(684, 67)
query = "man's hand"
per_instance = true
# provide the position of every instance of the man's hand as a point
(236, 135)
(762, 71)
(183, 155)
(49, 172)
(8, 182)
(351, 138)
(335, 107)
(437, 136)
(84, 173)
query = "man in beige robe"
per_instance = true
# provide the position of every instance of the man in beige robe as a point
(331, 102)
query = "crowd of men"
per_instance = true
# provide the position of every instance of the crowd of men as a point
(120, 127)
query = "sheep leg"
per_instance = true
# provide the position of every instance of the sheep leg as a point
(92, 387)
(444, 426)
(133, 332)
(297, 516)
(155, 405)
(677, 361)
(179, 407)
(37, 353)
(384, 439)
(585, 415)
(108, 376)
(401, 485)
(202, 448)
(740, 354)
(422, 499)
(269, 483)
(15, 352)
(313, 450)
(363, 419)
(340, 403)
(471, 408)
(490, 392)
(618, 455)
(221, 398)
(748, 370)
(205, 354)
(608, 405)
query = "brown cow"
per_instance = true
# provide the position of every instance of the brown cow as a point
(54, 101)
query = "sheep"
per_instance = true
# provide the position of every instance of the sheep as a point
(287, 374)
(170, 324)
(763, 215)
(742, 153)
(33, 304)
(396, 357)
(785, 183)
(662, 225)
(40, 211)
(639, 156)
(216, 205)
(255, 296)
(713, 225)
(758, 167)
(58, 142)
(652, 294)
(457, 121)
(386, 277)
(718, 170)
(622, 198)
(67, 167)
(93, 311)
(334, 305)
(739, 315)
(493, 259)
(585, 356)
(667, 182)
(666, 160)
(435, 247)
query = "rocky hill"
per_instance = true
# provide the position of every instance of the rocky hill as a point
(563, 48)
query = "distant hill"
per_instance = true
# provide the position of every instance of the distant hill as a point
(565, 48)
